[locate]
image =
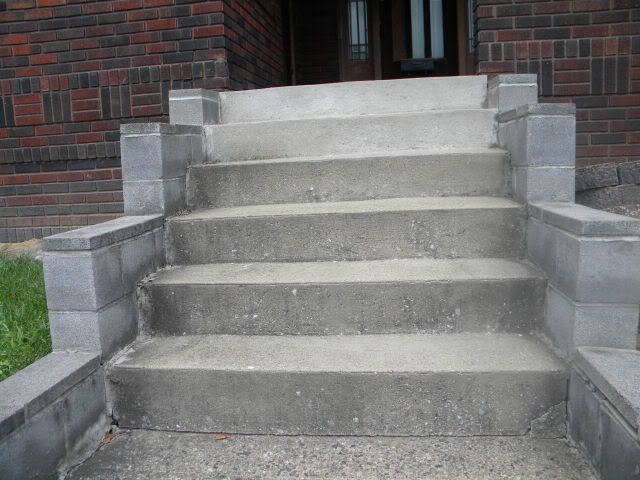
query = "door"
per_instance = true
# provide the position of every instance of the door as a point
(359, 39)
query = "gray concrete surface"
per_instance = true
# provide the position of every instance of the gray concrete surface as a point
(464, 384)
(587, 269)
(194, 106)
(348, 177)
(139, 454)
(508, 91)
(103, 234)
(155, 158)
(616, 373)
(541, 141)
(52, 414)
(437, 129)
(603, 411)
(386, 296)
(353, 98)
(571, 324)
(444, 227)
(90, 277)
(582, 220)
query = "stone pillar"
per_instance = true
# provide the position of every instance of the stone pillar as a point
(195, 106)
(541, 139)
(592, 261)
(155, 157)
(91, 275)
(508, 91)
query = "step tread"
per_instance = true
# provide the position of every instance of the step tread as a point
(148, 454)
(358, 206)
(466, 152)
(374, 271)
(395, 353)
(348, 116)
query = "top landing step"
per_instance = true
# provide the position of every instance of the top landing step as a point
(378, 97)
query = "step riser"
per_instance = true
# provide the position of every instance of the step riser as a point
(347, 135)
(334, 403)
(433, 307)
(350, 236)
(354, 98)
(346, 179)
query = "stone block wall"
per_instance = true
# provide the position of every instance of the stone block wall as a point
(71, 71)
(586, 52)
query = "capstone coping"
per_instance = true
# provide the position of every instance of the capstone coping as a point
(191, 93)
(102, 234)
(159, 129)
(597, 176)
(37, 386)
(538, 109)
(582, 220)
(616, 373)
(513, 79)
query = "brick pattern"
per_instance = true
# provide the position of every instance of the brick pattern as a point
(584, 51)
(255, 44)
(42, 198)
(72, 70)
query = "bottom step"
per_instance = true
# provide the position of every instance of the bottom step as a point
(146, 454)
(413, 385)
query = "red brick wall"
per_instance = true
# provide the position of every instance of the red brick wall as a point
(584, 51)
(255, 44)
(72, 70)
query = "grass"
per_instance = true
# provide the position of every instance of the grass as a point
(24, 326)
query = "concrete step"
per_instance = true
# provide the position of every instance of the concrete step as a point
(145, 454)
(432, 227)
(435, 130)
(328, 298)
(349, 177)
(454, 385)
(353, 98)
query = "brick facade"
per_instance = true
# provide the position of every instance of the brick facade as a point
(586, 52)
(72, 70)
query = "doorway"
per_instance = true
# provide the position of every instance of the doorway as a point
(349, 40)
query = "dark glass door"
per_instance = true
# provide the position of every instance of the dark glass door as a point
(357, 48)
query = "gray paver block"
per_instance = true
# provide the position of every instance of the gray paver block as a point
(154, 196)
(582, 220)
(195, 106)
(549, 184)
(83, 281)
(104, 331)
(587, 269)
(570, 324)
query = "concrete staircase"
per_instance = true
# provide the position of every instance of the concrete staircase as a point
(351, 265)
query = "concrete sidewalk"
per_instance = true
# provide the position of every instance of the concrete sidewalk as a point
(141, 454)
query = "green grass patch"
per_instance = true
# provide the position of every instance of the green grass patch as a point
(24, 326)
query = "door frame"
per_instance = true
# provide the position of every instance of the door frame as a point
(373, 9)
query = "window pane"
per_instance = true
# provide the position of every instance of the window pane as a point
(437, 34)
(358, 30)
(417, 29)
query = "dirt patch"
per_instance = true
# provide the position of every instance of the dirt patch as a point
(30, 248)
(628, 210)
